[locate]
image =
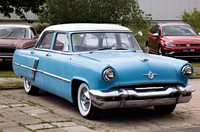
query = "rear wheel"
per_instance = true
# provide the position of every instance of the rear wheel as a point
(165, 108)
(86, 109)
(30, 89)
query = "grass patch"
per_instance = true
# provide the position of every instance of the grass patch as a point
(196, 75)
(31, 103)
(11, 84)
(7, 74)
(195, 64)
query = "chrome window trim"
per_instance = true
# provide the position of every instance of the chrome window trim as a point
(41, 71)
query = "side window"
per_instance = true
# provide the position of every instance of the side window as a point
(155, 29)
(61, 42)
(46, 41)
(33, 33)
(152, 30)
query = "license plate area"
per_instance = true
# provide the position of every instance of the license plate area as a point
(188, 50)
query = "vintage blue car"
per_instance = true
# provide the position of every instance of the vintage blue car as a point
(101, 66)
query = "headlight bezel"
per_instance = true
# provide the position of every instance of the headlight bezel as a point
(187, 71)
(108, 75)
(169, 44)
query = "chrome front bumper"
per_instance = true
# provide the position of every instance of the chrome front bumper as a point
(107, 99)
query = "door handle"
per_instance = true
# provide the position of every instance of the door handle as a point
(48, 54)
(32, 52)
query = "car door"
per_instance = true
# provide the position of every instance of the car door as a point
(39, 52)
(154, 40)
(54, 66)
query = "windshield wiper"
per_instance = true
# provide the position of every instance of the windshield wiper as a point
(121, 49)
(104, 48)
(10, 33)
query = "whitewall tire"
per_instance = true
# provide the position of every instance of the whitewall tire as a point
(84, 102)
(29, 89)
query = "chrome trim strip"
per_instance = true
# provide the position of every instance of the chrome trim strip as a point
(170, 90)
(138, 103)
(34, 67)
(49, 74)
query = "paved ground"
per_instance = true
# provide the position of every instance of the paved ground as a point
(20, 115)
(46, 112)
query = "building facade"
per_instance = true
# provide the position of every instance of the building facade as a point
(168, 10)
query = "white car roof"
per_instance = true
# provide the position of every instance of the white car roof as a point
(86, 27)
(15, 25)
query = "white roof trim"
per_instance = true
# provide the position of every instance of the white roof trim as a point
(86, 27)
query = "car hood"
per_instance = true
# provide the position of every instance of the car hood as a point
(182, 39)
(10, 42)
(132, 68)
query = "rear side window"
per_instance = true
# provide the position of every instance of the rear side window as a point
(61, 42)
(155, 29)
(46, 41)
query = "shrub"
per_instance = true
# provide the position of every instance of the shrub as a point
(40, 27)
(192, 18)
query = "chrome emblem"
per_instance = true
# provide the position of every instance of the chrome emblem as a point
(150, 75)
(188, 45)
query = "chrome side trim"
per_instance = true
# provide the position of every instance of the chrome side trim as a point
(34, 67)
(46, 73)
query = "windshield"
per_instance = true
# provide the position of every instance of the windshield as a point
(104, 41)
(13, 32)
(178, 31)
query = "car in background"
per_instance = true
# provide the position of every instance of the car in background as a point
(174, 39)
(101, 66)
(15, 36)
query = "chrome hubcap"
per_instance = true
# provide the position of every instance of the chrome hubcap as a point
(28, 84)
(85, 99)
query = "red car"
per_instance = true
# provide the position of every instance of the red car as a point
(174, 39)
(15, 36)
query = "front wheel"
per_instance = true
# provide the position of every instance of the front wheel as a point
(165, 108)
(160, 50)
(30, 89)
(86, 109)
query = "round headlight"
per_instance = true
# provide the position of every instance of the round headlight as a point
(108, 75)
(187, 71)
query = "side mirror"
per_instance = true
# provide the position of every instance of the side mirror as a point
(146, 49)
(139, 33)
(199, 33)
(155, 35)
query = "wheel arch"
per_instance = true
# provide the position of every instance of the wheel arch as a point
(75, 85)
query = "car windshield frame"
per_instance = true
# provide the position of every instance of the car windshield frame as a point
(178, 30)
(14, 32)
(97, 41)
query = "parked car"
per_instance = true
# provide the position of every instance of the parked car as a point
(101, 66)
(174, 39)
(15, 36)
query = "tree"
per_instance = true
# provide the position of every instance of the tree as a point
(19, 7)
(192, 18)
(125, 12)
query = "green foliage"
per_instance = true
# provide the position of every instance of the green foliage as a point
(19, 7)
(40, 27)
(125, 12)
(192, 18)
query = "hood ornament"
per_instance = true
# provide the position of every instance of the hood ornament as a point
(143, 59)
(150, 75)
